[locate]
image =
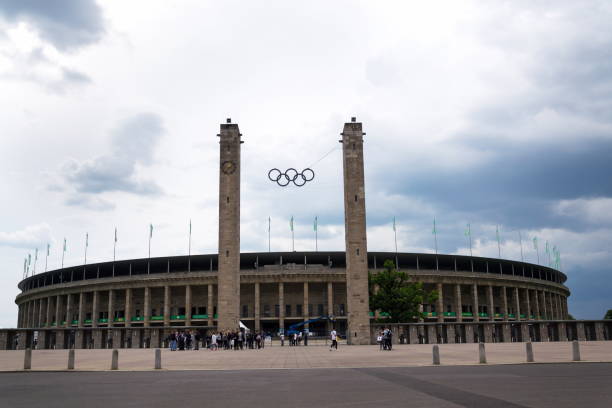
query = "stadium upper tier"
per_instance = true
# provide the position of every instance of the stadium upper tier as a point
(292, 261)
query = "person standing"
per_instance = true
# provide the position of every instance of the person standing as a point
(334, 340)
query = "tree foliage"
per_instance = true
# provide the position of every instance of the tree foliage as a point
(397, 294)
(608, 315)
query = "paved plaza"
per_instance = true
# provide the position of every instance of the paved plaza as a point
(310, 357)
(498, 386)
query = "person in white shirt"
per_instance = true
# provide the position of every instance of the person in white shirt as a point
(334, 340)
(213, 342)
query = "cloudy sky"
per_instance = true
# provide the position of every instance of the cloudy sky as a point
(488, 113)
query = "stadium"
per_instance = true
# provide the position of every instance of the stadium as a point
(137, 302)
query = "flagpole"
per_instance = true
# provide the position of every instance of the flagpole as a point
(47, 258)
(189, 254)
(469, 234)
(63, 253)
(435, 231)
(395, 236)
(35, 259)
(114, 251)
(498, 241)
(292, 236)
(268, 234)
(316, 235)
(86, 245)
(521, 244)
(149, 260)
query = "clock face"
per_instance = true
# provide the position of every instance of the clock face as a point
(228, 167)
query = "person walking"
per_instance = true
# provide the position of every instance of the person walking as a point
(334, 340)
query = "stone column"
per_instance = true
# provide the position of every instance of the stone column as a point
(228, 297)
(469, 333)
(550, 306)
(536, 302)
(545, 306)
(210, 307)
(257, 305)
(507, 332)
(59, 339)
(491, 303)
(505, 303)
(68, 310)
(81, 311)
(128, 307)
(41, 313)
(431, 334)
(167, 306)
(111, 310)
(527, 305)
(330, 303)
(413, 335)
(357, 295)
(557, 306)
(459, 303)
(599, 331)
(97, 337)
(187, 305)
(543, 332)
(330, 298)
(562, 331)
(525, 332)
(517, 304)
(58, 318)
(147, 306)
(475, 302)
(281, 306)
(488, 332)
(450, 333)
(305, 311)
(94, 310)
(440, 307)
(580, 331)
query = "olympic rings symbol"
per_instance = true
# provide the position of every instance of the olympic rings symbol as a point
(291, 175)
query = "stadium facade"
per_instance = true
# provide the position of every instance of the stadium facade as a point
(136, 303)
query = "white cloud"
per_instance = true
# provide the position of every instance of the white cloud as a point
(592, 210)
(32, 236)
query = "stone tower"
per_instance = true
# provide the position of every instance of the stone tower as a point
(355, 235)
(228, 280)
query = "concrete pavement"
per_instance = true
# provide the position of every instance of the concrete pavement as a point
(310, 357)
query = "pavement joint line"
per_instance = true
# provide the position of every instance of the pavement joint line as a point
(140, 370)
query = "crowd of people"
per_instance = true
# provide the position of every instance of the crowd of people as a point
(191, 340)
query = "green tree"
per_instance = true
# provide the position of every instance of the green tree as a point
(608, 315)
(398, 295)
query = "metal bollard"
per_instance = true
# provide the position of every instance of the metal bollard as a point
(436, 355)
(157, 359)
(115, 360)
(27, 359)
(529, 351)
(71, 359)
(482, 355)
(575, 351)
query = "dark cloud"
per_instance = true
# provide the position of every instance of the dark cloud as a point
(133, 143)
(67, 24)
